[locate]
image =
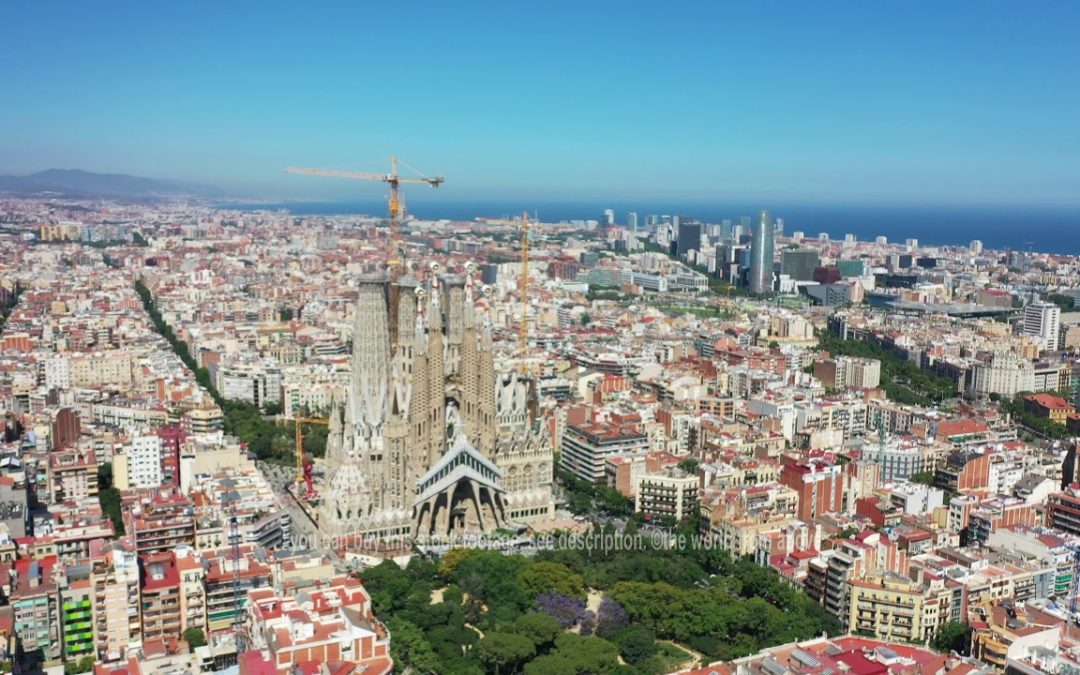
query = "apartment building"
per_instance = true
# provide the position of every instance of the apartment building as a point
(73, 475)
(222, 575)
(30, 588)
(332, 623)
(848, 372)
(670, 495)
(585, 447)
(736, 517)
(160, 520)
(189, 566)
(1005, 373)
(137, 464)
(818, 484)
(117, 622)
(254, 382)
(1063, 511)
(203, 420)
(77, 619)
(893, 607)
(159, 596)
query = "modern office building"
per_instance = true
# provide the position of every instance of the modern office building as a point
(850, 268)
(799, 263)
(1042, 321)
(689, 236)
(761, 256)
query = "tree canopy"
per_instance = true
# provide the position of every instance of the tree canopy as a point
(530, 611)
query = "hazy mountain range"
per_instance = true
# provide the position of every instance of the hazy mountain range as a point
(78, 183)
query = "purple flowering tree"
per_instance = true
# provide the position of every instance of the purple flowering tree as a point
(588, 622)
(611, 618)
(564, 609)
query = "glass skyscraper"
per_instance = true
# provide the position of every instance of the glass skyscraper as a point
(761, 256)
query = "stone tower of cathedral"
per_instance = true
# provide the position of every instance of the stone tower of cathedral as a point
(429, 439)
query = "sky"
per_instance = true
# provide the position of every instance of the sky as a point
(831, 102)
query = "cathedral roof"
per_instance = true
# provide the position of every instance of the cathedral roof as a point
(461, 461)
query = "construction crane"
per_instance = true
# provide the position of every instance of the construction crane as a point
(1074, 589)
(397, 204)
(523, 284)
(238, 617)
(303, 471)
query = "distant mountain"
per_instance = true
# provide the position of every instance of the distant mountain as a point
(77, 183)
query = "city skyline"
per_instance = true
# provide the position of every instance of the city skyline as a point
(737, 338)
(834, 103)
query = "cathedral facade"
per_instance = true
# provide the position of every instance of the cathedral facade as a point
(429, 440)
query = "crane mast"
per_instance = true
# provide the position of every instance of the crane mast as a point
(396, 203)
(523, 292)
(302, 482)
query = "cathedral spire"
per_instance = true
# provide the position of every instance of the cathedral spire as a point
(435, 317)
(334, 438)
(371, 360)
(421, 324)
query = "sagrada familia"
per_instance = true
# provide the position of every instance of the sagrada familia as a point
(430, 440)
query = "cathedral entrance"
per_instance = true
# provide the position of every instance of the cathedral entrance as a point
(460, 494)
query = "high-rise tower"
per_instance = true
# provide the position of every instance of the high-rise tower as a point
(1042, 321)
(761, 256)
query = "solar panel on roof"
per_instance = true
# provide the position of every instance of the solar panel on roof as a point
(773, 667)
(806, 658)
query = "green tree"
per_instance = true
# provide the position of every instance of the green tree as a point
(953, 636)
(551, 664)
(924, 477)
(586, 319)
(689, 465)
(109, 497)
(1065, 302)
(550, 577)
(408, 647)
(194, 637)
(541, 628)
(636, 643)
(498, 650)
(286, 313)
(587, 654)
(271, 409)
(315, 438)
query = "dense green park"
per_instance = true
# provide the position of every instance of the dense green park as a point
(575, 610)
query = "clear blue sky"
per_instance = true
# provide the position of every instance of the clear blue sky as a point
(819, 101)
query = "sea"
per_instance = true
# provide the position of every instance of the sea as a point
(1043, 229)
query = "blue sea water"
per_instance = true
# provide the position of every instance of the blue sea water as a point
(1049, 229)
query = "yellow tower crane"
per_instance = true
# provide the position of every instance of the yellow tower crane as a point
(523, 284)
(397, 203)
(301, 473)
